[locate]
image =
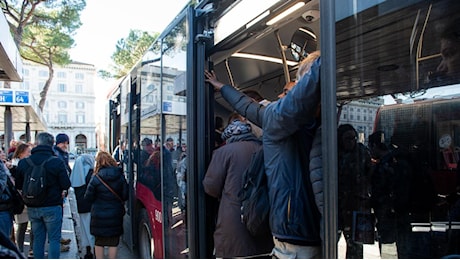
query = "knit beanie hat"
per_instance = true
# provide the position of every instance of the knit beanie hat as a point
(62, 138)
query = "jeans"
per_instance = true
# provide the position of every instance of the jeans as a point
(46, 221)
(284, 250)
(6, 222)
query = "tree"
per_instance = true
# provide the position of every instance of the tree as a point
(128, 52)
(43, 30)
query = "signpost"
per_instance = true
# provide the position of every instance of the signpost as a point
(12, 97)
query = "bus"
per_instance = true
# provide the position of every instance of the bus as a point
(370, 49)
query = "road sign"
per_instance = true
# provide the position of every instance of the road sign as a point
(14, 97)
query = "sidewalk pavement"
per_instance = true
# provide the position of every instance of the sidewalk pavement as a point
(68, 227)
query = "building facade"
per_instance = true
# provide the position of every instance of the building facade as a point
(70, 102)
(361, 115)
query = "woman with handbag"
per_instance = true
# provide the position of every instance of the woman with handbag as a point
(22, 150)
(107, 191)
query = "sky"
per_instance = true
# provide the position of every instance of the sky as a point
(104, 22)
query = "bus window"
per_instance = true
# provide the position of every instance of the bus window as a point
(174, 103)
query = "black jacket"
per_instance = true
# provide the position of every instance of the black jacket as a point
(107, 210)
(57, 179)
(64, 156)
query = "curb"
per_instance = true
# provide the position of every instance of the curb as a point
(68, 227)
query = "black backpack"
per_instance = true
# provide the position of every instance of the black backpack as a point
(34, 189)
(255, 206)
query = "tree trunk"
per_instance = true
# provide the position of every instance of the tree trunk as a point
(46, 87)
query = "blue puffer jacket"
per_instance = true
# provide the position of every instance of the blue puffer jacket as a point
(289, 125)
(107, 210)
(57, 179)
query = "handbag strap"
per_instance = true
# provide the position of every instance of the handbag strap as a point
(108, 187)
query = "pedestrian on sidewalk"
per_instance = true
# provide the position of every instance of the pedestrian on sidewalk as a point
(60, 150)
(22, 150)
(46, 218)
(82, 171)
(107, 190)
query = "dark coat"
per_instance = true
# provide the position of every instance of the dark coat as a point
(64, 156)
(289, 126)
(354, 180)
(5, 197)
(83, 205)
(107, 210)
(57, 179)
(224, 180)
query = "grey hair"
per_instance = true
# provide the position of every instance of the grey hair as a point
(45, 138)
(305, 64)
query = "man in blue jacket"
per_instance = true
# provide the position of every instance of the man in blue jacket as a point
(289, 125)
(46, 219)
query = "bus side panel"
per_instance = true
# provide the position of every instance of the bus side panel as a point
(147, 201)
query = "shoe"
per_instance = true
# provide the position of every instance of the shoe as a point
(65, 241)
(65, 248)
(88, 254)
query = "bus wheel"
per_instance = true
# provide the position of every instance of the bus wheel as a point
(146, 247)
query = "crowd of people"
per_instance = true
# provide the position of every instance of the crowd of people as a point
(100, 189)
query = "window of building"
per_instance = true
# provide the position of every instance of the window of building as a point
(80, 118)
(79, 76)
(80, 105)
(62, 87)
(62, 118)
(26, 72)
(61, 75)
(25, 85)
(79, 88)
(62, 104)
(43, 73)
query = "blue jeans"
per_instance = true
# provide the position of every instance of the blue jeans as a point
(46, 221)
(6, 222)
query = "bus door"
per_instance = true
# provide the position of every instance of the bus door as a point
(166, 140)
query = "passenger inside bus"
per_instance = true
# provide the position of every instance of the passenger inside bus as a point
(288, 122)
(449, 68)
(354, 171)
(390, 176)
(223, 180)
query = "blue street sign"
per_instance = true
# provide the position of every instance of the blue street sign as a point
(22, 97)
(13, 97)
(6, 96)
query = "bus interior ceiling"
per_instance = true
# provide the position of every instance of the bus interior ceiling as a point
(377, 50)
